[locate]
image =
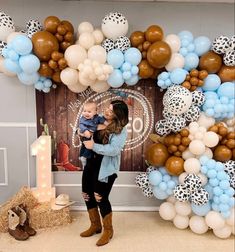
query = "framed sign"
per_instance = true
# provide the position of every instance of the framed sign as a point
(61, 109)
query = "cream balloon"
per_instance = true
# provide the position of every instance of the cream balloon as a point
(180, 221)
(85, 27)
(4, 70)
(187, 154)
(100, 86)
(176, 61)
(97, 53)
(192, 165)
(98, 36)
(174, 42)
(77, 88)
(12, 35)
(84, 80)
(183, 208)
(86, 40)
(167, 211)
(208, 152)
(5, 31)
(224, 232)
(74, 55)
(198, 224)
(69, 76)
(214, 220)
(182, 176)
(231, 219)
(171, 199)
(210, 139)
(205, 121)
(203, 178)
(197, 147)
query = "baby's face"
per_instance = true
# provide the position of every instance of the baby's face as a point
(89, 110)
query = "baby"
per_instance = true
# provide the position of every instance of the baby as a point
(88, 125)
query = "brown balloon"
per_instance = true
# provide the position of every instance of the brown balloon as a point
(227, 73)
(62, 63)
(56, 77)
(154, 33)
(68, 37)
(137, 38)
(56, 55)
(51, 23)
(52, 64)
(59, 37)
(45, 70)
(211, 62)
(222, 153)
(61, 29)
(157, 154)
(145, 70)
(44, 43)
(64, 45)
(68, 25)
(175, 165)
(159, 54)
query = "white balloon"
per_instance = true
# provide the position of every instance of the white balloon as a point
(167, 211)
(98, 70)
(231, 220)
(85, 81)
(5, 31)
(86, 40)
(69, 76)
(181, 222)
(183, 208)
(198, 135)
(87, 70)
(205, 121)
(203, 178)
(77, 88)
(174, 42)
(208, 152)
(224, 232)
(171, 199)
(4, 70)
(214, 220)
(187, 154)
(74, 55)
(85, 27)
(197, 147)
(107, 69)
(97, 53)
(182, 176)
(98, 36)
(192, 165)
(211, 139)
(100, 86)
(176, 61)
(198, 224)
(12, 35)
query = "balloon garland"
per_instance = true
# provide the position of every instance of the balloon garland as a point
(192, 155)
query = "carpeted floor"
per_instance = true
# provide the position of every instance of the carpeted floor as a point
(134, 232)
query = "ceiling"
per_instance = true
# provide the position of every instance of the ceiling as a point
(189, 1)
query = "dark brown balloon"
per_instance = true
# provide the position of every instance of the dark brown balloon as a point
(69, 37)
(44, 43)
(227, 73)
(154, 33)
(222, 153)
(62, 63)
(157, 154)
(211, 62)
(137, 38)
(68, 25)
(56, 77)
(56, 55)
(64, 45)
(51, 23)
(145, 70)
(59, 37)
(45, 70)
(159, 54)
(61, 29)
(52, 64)
(175, 166)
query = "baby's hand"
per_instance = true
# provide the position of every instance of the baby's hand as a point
(87, 134)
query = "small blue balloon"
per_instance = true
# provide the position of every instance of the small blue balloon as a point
(178, 76)
(209, 189)
(155, 178)
(47, 83)
(126, 66)
(215, 207)
(202, 45)
(133, 80)
(203, 160)
(191, 47)
(159, 194)
(183, 51)
(13, 55)
(163, 186)
(39, 85)
(224, 184)
(187, 35)
(211, 164)
(224, 198)
(211, 174)
(133, 56)
(201, 210)
(223, 207)
(214, 182)
(164, 75)
(171, 184)
(12, 66)
(191, 61)
(115, 58)
(134, 70)
(46, 90)
(29, 63)
(224, 100)
(115, 79)
(126, 75)
(28, 79)
(211, 82)
(227, 89)
(166, 178)
(217, 191)
(168, 82)
(22, 44)
(162, 170)
(216, 199)
(221, 175)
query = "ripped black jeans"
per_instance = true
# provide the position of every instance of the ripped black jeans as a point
(96, 193)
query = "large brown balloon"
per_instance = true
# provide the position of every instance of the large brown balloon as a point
(227, 73)
(222, 153)
(45, 70)
(145, 70)
(159, 54)
(211, 62)
(154, 33)
(175, 165)
(44, 43)
(51, 23)
(137, 38)
(157, 154)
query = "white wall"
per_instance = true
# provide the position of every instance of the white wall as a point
(17, 102)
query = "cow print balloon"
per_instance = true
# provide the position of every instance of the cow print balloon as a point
(200, 197)
(148, 192)
(192, 114)
(198, 98)
(34, 24)
(176, 123)
(122, 43)
(181, 193)
(6, 20)
(108, 45)
(192, 182)
(229, 58)
(229, 167)
(150, 169)
(2, 45)
(162, 127)
(220, 45)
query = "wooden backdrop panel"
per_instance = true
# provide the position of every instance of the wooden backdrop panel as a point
(59, 109)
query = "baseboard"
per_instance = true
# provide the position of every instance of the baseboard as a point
(122, 208)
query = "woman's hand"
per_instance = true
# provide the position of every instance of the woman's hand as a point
(89, 144)
(101, 127)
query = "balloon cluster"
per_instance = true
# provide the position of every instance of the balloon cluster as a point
(162, 183)
(125, 67)
(220, 99)
(43, 84)
(218, 186)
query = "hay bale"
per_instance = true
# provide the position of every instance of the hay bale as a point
(24, 196)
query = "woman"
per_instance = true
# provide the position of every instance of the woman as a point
(101, 170)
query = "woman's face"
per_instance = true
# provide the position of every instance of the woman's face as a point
(108, 113)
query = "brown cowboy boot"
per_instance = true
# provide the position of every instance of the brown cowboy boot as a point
(14, 228)
(24, 221)
(96, 226)
(108, 230)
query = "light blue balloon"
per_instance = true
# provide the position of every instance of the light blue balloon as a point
(215, 207)
(126, 75)
(223, 207)
(211, 83)
(29, 63)
(229, 192)
(191, 61)
(126, 66)
(211, 95)
(133, 80)
(133, 56)
(22, 44)
(155, 178)
(115, 79)
(171, 184)
(183, 51)
(186, 35)
(12, 66)
(224, 184)
(185, 43)
(224, 198)
(224, 100)
(162, 170)
(212, 173)
(201, 210)
(134, 70)
(166, 178)
(203, 160)
(42, 78)
(159, 194)
(178, 75)
(39, 85)
(227, 89)
(28, 79)
(163, 186)
(202, 45)
(191, 47)
(217, 191)
(218, 108)
(210, 103)
(211, 164)
(115, 58)
(46, 90)
(164, 75)
(214, 182)
(221, 175)
(209, 189)
(13, 55)
(216, 199)
(47, 83)
(168, 82)
(226, 214)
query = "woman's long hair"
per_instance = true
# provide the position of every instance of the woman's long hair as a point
(119, 121)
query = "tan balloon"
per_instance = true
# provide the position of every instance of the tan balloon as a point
(157, 154)
(75, 55)
(154, 33)
(137, 38)
(227, 73)
(145, 70)
(211, 62)
(100, 86)
(77, 88)
(51, 23)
